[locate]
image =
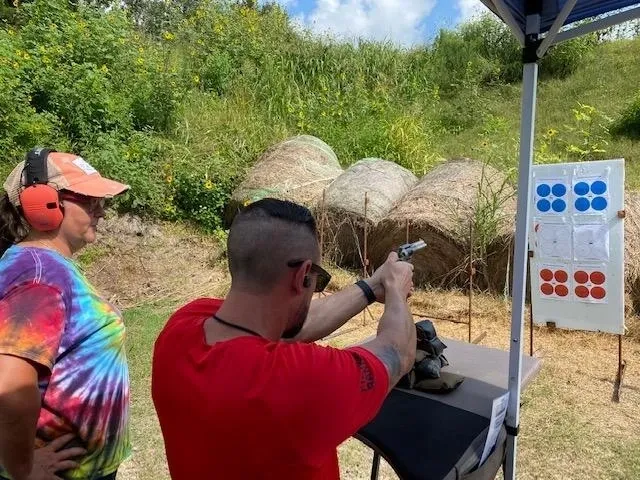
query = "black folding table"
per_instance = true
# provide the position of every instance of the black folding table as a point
(441, 436)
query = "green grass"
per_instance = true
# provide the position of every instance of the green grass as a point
(143, 326)
(593, 83)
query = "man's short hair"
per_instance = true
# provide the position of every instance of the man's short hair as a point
(264, 236)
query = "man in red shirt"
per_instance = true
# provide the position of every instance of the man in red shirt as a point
(241, 391)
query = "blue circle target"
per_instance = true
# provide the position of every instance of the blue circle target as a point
(543, 190)
(581, 188)
(543, 205)
(598, 187)
(599, 203)
(582, 204)
(558, 205)
(559, 190)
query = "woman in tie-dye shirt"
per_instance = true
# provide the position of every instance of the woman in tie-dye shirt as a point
(64, 382)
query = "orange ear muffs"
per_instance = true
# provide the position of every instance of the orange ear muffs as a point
(41, 207)
(39, 201)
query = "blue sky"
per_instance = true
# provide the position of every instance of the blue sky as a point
(403, 22)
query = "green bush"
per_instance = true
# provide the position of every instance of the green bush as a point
(628, 122)
(137, 162)
(456, 63)
(493, 42)
(84, 80)
(563, 59)
(201, 198)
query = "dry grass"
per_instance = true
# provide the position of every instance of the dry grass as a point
(570, 428)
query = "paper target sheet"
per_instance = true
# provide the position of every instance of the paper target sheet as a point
(577, 244)
(591, 242)
(553, 240)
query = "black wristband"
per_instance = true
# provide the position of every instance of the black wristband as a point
(371, 297)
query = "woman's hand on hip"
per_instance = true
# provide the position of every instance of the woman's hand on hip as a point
(53, 458)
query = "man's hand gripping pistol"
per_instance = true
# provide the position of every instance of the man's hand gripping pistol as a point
(406, 251)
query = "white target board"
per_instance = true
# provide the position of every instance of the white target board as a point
(577, 240)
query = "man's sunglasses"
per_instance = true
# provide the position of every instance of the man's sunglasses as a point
(91, 203)
(323, 279)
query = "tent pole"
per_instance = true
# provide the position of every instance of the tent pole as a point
(555, 28)
(595, 25)
(527, 127)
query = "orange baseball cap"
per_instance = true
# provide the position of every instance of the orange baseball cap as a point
(66, 171)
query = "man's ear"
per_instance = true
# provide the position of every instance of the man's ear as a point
(301, 279)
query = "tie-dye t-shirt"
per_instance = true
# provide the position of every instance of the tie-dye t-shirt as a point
(51, 315)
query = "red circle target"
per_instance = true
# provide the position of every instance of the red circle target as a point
(581, 276)
(562, 291)
(546, 288)
(598, 293)
(546, 274)
(582, 291)
(597, 278)
(561, 276)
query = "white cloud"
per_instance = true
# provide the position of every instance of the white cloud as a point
(398, 21)
(470, 8)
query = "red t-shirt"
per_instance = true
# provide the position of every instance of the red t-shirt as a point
(250, 408)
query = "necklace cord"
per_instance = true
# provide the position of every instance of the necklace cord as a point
(238, 327)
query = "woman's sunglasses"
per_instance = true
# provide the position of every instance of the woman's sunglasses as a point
(91, 203)
(323, 279)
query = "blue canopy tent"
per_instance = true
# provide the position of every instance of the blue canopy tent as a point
(538, 25)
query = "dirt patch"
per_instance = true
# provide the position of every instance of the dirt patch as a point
(135, 262)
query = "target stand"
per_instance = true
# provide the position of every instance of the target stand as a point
(576, 256)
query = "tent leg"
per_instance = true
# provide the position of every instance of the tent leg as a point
(527, 127)
(375, 466)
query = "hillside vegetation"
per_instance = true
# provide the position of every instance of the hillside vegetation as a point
(178, 99)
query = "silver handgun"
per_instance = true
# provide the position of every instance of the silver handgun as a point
(406, 251)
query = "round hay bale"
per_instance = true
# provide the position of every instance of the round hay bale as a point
(439, 210)
(384, 184)
(632, 247)
(297, 169)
